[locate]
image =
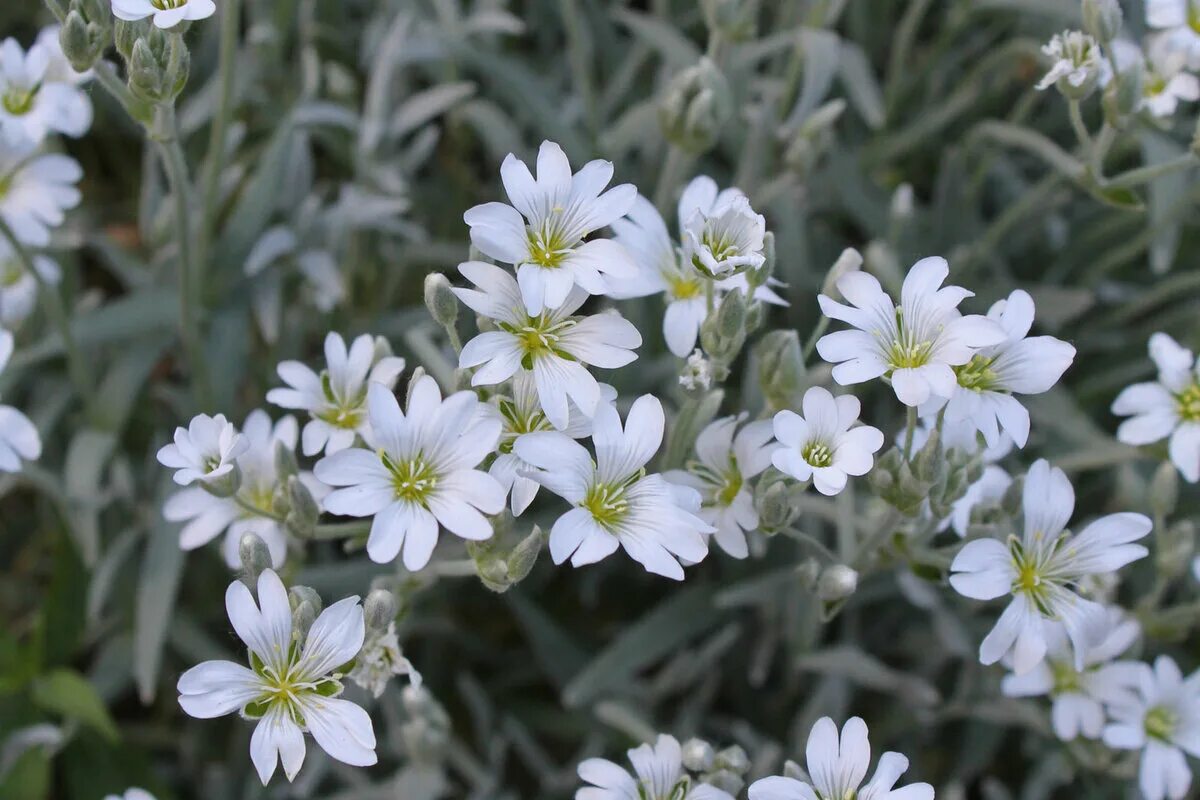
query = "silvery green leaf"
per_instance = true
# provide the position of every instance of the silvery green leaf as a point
(675, 48)
(274, 244)
(424, 107)
(861, 85)
(157, 588)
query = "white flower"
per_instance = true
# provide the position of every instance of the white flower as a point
(1160, 716)
(336, 400)
(658, 774)
(1041, 570)
(380, 661)
(697, 372)
(1168, 407)
(553, 346)
(251, 509)
(1164, 82)
(722, 235)
(19, 438)
(33, 104)
(35, 190)
(916, 344)
(1179, 21)
(822, 445)
(837, 766)
(663, 268)
(542, 233)
(132, 793)
(1077, 62)
(1078, 695)
(1020, 364)
(206, 450)
(522, 414)
(614, 503)
(421, 476)
(292, 686)
(722, 471)
(166, 13)
(18, 288)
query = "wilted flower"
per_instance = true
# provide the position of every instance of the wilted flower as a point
(837, 765)
(1041, 570)
(614, 503)
(35, 190)
(552, 346)
(1078, 64)
(824, 445)
(19, 439)
(166, 13)
(34, 101)
(205, 451)
(697, 372)
(725, 463)
(722, 235)
(293, 683)
(658, 774)
(1159, 715)
(543, 232)
(1168, 407)
(421, 475)
(664, 268)
(336, 400)
(380, 661)
(916, 344)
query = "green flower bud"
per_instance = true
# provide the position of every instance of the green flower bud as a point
(837, 582)
(305, 594)
(698, 755)
(807, 572)
(303, 511)
(303, 617)
(380, 609)
(733, 759)
(775, 508)
(254, 555)
(158, 66)
(1164, 490)
(780, 367)
(812, 139)
(1102, 19)
(725, 780)
(731, 315)
(525, 555)
(127, 34)
(225, 486)
(1175, 547)
(285, 461)
(696, 105)
(440, 300)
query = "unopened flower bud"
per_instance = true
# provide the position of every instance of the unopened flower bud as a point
(1124, 94)
(126, 34)
(380, 609)
(731, 315)
(695, 107)
(440, 300)
(254, 555)
(525, 555)
(1102, 19)
(225, 485)
(303, 511)
(733, 19)
(780, 367)
(813, 138)
(158, 66)
(303, 617)
(775, 509)
(698, 755)
(733, 759)
(1175, 547)
(725, 780)
(849, 261)
(305, 594)
(76, 42)
(1164, 490)
(697, 373)
(837, 582)
(285, 461)
(902, 201)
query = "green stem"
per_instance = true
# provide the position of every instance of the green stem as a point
(1081, 131)
(342, 530)
(817, 333)
(77, 366)
(1136, 177)
(166, 138)
(255, 510)
(910, 428)
(226, 61)
(106, 76)
(669, 177)
(710, 295)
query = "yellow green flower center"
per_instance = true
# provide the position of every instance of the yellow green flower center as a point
(1188, 403)
(1066, 679)
(413, 479)
(166, 5)
(539, 336)
(340, 412)
(549, 244)
(1193, 16)
(18, 101)
(720, 244)
(1034, 576)
(517, 423)
(1160, 723)
(905, 350)
(725, 485)
(287, 687)
(11, 272)
(677, 792)
(607, 502)
(977, 374)
(817, 454)
(684, 287)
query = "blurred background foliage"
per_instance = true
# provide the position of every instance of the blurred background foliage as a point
(366, 128)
